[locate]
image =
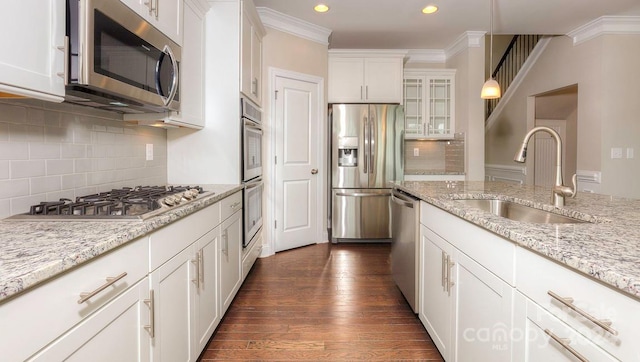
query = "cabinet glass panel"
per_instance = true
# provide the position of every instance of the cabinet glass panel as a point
(440, 106)
(413, 96)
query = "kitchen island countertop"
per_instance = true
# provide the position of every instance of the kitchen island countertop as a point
(606, 249)
(34, 251)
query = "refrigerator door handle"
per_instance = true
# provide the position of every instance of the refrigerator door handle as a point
(365, 137)
(372, 146)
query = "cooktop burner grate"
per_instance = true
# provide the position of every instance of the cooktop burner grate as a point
(138, 203)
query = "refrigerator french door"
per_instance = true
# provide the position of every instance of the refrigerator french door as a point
(367, 145)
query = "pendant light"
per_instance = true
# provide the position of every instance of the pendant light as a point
(491, 88)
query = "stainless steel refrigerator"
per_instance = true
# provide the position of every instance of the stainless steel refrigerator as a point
(367, 143)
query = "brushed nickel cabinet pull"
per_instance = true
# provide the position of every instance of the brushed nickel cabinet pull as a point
(110, 281)
(449, 265)
(201, 266)
(568, 301)
(151, 327)
(564, 342)
(196, 262)
(225, 236)
(443, 271)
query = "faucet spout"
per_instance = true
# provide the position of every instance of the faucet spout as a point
(559, 190)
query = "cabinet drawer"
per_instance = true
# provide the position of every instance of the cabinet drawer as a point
(230, 204)
(487, 249)
(536, 276)
(167, 242)
(32, 320)
(539, 330)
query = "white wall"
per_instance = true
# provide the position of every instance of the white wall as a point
(607, 73)
(50, 151)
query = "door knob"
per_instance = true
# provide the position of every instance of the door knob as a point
(314, 171)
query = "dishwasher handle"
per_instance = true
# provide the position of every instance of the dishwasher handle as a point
(403, 200)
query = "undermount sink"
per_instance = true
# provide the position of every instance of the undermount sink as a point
(518, 212)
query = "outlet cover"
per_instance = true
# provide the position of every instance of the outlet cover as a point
(629, 152)
(149, 152)
(616, 152)
(416, 152)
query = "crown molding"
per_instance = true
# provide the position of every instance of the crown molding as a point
(294, 26)
(618, 25)
(468, 39)
(426, 56)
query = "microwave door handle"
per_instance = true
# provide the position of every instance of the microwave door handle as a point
(174, 86)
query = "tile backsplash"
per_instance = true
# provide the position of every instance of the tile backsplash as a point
(59, 151)
(435, 155)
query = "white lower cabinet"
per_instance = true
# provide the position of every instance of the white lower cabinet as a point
(207, 301)
(464, 305)
(114, 333)
(230, 258)
(465, 308)
(174, 294)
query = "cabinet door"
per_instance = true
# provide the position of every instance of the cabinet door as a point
(114, 333)
(174, 292)
(483, 315)
(256, 66)
(33, 55)
(206, 303)
(440, 108)
(532, 335)
(436, 311)
(383, 80)
(346, 80)
(414, 96)
(191, 70)
(230, 262)
(245, 54)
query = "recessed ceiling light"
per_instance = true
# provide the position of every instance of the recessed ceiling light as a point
(321, 8)
(430, 9)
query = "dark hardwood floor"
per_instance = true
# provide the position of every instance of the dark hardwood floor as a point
(321, 302)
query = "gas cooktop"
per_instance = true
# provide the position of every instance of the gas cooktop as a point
(127, 203)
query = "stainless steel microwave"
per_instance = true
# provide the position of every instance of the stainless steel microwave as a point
(117, 61)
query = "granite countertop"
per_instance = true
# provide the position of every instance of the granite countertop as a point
(607, 248)
(32, 252)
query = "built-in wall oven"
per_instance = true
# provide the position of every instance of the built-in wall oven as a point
(251, 170)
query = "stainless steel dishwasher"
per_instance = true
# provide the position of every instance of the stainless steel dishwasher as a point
(405, 251)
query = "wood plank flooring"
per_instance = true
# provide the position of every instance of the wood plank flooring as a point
(332, 302)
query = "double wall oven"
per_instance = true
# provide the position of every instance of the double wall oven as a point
(251, 170)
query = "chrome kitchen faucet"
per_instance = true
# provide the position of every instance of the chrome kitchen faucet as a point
(559, 191)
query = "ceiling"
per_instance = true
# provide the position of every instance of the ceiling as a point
(399, 24)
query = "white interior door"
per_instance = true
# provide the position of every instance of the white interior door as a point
(297, 126)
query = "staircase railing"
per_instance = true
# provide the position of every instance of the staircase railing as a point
(509, 65)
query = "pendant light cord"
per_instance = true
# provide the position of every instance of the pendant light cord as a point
(491, 42)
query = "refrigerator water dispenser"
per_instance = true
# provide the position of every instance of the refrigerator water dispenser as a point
(348, 157)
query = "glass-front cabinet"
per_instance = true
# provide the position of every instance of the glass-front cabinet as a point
(429, 103)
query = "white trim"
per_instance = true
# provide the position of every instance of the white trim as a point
(269, 232)
(378, 53)
(294, 26)
(618, 25)
(505, 173)
(426, 56)
(594, 177)
(468, 39)
(519, 78)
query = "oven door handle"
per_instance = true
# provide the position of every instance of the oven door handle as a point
(253, 184)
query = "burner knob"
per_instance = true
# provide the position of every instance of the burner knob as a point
(168, 201)
(177, 198)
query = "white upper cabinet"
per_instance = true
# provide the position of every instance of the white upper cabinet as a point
(32, 56)
(429, 103)
(251, 34)
(165, 15)
(365, 77)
